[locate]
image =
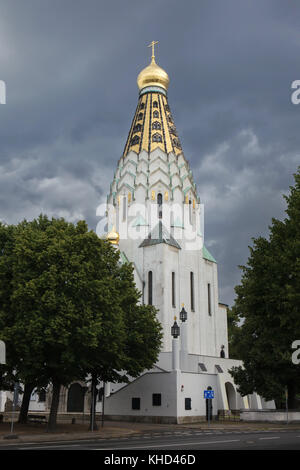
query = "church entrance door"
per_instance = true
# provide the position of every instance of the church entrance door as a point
(231, 396)
(75, 402)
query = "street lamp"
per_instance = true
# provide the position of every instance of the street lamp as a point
(175, 330)
(183, 314)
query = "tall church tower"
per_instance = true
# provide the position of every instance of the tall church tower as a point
(156, 219)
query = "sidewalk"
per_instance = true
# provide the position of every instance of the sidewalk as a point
(68, 432)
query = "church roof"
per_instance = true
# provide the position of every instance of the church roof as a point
(159, 235)
(207, 255)
(123, 258)
(153, 124)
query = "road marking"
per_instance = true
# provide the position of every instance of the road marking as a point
(265, 438)
(170, 445)
(51, 447)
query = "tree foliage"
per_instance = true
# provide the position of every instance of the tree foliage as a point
(69, 308)
(268, 304)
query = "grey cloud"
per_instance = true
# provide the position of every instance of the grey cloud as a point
(70, 67)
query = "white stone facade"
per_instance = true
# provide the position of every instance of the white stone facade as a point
(133, 211)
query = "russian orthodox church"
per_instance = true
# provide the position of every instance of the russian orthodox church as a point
(156, 221)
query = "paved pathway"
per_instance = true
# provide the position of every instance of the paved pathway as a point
(123, 430)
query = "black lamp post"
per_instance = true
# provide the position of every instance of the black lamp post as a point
(175, 330)
(183, 314)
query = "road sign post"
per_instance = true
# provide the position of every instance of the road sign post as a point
(209, 394)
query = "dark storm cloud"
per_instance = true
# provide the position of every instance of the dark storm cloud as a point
(70, 68)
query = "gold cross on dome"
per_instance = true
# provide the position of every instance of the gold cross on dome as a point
(152, 44)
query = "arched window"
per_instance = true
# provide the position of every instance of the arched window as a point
(150, 288)
(155, 114)
(140, 116)
(156, 137)
(176, 143)
(135, 140)
(137, 128)
(190, 211)
(142, 105)
(159, 204)
(156, 125)
(155, 104)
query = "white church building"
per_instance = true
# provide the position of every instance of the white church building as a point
(156, 220)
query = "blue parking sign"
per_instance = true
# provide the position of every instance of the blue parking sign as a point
(208, 394)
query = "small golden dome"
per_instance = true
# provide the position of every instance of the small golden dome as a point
(113, 237)
(153, 75)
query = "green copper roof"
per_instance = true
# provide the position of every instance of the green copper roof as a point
(206, 255)
(139, 221)
(123, 258)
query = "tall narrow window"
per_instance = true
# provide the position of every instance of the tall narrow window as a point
(159, 203)
(150, 288)
(209, 298)
(192, 292)
(124, 208)
(190, 212)
(173, 290)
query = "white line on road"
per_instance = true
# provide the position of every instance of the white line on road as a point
(170, 445)
(51, 447)
(265, 438)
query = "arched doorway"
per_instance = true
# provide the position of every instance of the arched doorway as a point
(231, 396)
(75, 402)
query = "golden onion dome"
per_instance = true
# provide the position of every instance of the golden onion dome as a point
(153, 75)
(113, 237)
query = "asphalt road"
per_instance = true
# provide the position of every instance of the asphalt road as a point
(173, 441)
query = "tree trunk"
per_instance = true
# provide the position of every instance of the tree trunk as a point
(54, 406)
(25, 403)
(93, 424)
(291, 396)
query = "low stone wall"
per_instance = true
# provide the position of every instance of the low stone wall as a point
(271, 416)
(67, 418)
(158, 419)
(142, 419)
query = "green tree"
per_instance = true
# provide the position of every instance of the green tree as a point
(268, 303)
(137, 349)
(233, 331)
(68, 308)
(57, 292)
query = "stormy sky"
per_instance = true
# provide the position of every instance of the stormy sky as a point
(70, 68)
